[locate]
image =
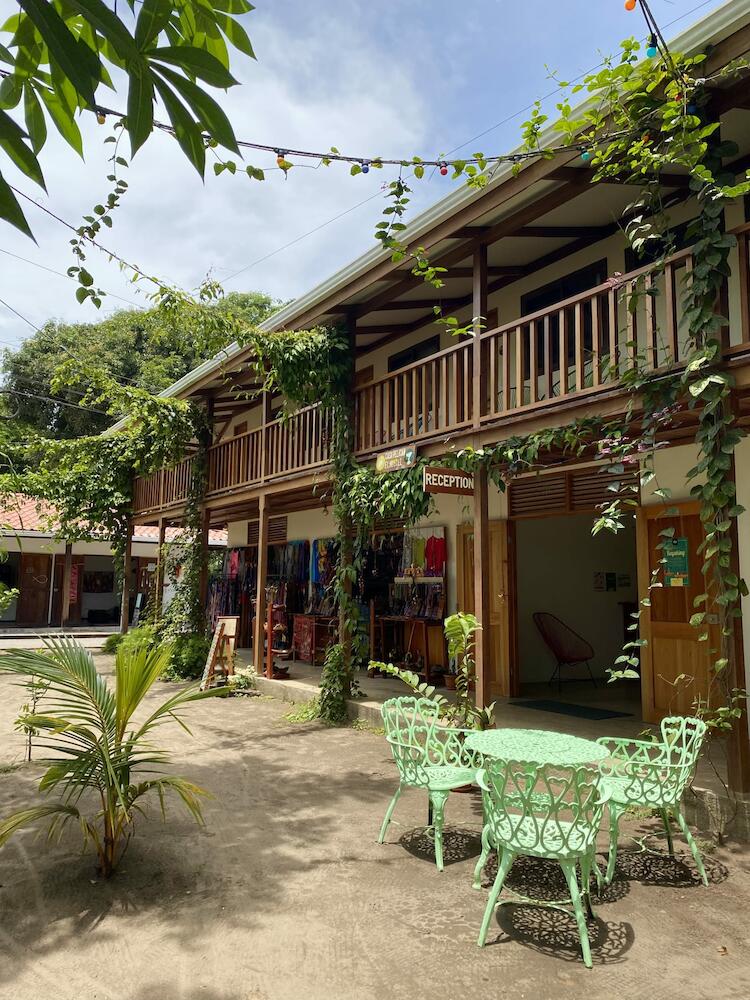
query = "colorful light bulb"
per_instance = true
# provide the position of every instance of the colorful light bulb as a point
(444, 168)
(586, 155)
(280, 157)
(652, 47)
(365, 167)
(630, 4)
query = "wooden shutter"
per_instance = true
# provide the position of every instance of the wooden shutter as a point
(277, 531)
(573, 491)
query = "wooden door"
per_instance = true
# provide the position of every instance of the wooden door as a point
(76, 590)
(673, 646)
(501, 680)
(33, 584)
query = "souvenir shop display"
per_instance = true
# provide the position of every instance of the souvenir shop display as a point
(232, 590)
(404, 583)
(314, 630)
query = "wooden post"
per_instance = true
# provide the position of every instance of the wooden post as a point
(738, 744)
(67, 574)
(203, 581)
(260, 589)
(159, 581)
(346, 551)
(126, 570)
(479, 307)
(265, 421)
(482, 585)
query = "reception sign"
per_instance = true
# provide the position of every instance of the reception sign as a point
(439, 480)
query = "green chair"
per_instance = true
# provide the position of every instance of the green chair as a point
(653, 775)
(428, 756)
(541, 811)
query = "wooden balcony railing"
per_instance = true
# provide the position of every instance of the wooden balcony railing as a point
(425, 398)
(302, 442)
(575, 348)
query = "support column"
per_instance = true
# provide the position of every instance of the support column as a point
(203, 581)
(159, 581)
(346, 550)
(738, 744)
(260, 589)
(127, 564)
(266, 420)
(67, 574)
(50, 600)
(479, 312)
(482, 586)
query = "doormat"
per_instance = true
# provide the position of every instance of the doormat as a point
(567, 708)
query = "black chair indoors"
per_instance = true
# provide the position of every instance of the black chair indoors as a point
(565, 644)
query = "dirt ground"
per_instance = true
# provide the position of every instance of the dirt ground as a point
(286, 894)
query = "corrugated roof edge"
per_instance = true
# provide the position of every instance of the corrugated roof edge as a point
(714, 26)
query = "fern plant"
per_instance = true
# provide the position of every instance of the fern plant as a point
(102, 764)
(460, 630)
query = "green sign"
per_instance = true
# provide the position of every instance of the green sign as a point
(676, 563)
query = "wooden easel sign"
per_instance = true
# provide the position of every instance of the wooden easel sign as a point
(221, 653)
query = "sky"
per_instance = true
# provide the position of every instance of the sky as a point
(393, 78)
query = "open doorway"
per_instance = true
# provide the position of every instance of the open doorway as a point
(575, 594)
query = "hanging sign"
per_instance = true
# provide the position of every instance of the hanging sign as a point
(675, 556)
(396, 459)
(439, 480)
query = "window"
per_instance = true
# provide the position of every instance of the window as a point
(564, 288)
(416, 353)
(240, 428)
(549, 295)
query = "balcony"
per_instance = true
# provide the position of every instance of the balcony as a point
(574, 350)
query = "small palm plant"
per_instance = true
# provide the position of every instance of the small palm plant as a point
(101, 762)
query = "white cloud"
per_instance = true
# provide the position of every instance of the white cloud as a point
(329, 88)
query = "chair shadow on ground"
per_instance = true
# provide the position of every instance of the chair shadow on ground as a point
(651, 867)
(459, 844)
(552, 931)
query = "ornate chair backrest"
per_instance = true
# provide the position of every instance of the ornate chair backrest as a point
(682, 740)
(410, 725)
(542, 809)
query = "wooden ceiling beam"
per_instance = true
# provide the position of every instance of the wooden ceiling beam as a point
(516, 220)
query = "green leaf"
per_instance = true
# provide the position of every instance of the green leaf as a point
(35, 123)
(11, 88)
(100, 17)
(186, 130)
(12, 140)
(76, 60)
(152, 20)
(10, 210)
(63, 119)
(196, 62)
(205, 108)
(140, 103)
(235, 33)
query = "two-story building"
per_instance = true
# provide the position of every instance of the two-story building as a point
(535, 253)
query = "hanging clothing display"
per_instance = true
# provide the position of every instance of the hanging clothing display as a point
(232, 588)
(424, 552)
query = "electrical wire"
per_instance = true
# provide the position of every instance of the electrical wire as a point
(69, 277)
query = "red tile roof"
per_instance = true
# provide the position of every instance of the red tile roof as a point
(19, 513)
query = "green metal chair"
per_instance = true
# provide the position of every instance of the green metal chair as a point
(541, 811)
(653, 775)
(428, 756)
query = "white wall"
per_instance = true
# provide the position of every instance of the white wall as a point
(671, 466)
(557, 558)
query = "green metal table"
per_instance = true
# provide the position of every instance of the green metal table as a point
(539, 746)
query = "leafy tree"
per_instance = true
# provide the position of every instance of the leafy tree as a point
(57, 55)
(151, 348)
(102, 763)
